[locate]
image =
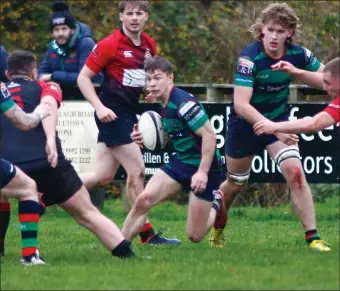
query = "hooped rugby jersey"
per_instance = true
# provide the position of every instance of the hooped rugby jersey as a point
(270, 88)
(181, 117)
(26, 149)
(122, 63)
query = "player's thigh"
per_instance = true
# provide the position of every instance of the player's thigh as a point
(17, 184)
(288, 159)
(198, 213)
(79, 203)
(159, 188)
(129, 156)
(106, 164)
(238, 165)
(58, 184)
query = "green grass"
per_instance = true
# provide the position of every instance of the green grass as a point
(265, 250)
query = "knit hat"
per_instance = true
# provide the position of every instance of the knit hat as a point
(62, 15)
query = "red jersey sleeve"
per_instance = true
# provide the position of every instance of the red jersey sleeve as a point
(52, 90)
(101, 54)
(333, 109)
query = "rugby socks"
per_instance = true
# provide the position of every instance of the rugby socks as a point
(311, 235)
(146, 232)
(220, 221)
(123, 250)
(29, 215)
(5, 212)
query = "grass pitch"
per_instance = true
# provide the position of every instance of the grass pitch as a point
(265, 250)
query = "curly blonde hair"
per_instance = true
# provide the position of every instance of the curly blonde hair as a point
(281, 14)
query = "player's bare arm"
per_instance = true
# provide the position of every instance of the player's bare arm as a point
(50, 125)
(312, 79)
(200, 179)
(306, 125)
(242, 96)
(27, 121)
(86, 87)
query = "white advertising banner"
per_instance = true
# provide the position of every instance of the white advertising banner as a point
(78, 133)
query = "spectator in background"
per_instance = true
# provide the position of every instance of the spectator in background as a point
(3, 67)
(69, 49)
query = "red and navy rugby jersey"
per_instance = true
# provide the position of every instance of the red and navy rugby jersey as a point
(26, 149)
(122, 63)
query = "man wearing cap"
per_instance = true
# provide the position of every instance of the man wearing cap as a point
(67, 52)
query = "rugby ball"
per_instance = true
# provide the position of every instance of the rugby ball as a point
(151, 127)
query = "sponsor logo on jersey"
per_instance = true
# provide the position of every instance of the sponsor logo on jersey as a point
(128, 54)
(245, 67)
(245, 63)
(5, 91)
(185, 108)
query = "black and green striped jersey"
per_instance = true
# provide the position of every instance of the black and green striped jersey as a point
(181, 118)
(270, 89)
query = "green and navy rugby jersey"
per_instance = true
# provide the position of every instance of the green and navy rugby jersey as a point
(181, 117)
(270, 89)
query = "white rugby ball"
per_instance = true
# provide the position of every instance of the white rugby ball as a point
(151, 127)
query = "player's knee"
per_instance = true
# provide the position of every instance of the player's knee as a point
(236, 182)
(135, 176)
(194, 236)
(105, 180)
(294, 176)
(31, 190)
(86, 218)
(143, 202)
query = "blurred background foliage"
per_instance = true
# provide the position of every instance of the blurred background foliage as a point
(202, 38)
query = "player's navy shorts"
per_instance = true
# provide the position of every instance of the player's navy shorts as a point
(7, 173)
(182, 173)
(241, 140)
(116, 132)
(57, 184)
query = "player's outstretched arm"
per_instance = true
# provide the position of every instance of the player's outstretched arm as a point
(242, 96)
(27, 121)
(312, 79)
(305, 125)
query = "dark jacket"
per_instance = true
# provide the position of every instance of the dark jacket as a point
(65, 69)
(3, 64)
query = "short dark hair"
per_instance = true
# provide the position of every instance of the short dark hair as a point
(158, 63)
(21, 63)
(142, 5)
(333, 67)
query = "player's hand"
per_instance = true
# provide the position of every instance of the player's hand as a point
(46, 77)
(43, 110)
(150, 99)
(288, 138)
(199, 182)
(105, 114)
(265, 127)
(136, 136)
(52, 153)
(55, 84)
(285, 67)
